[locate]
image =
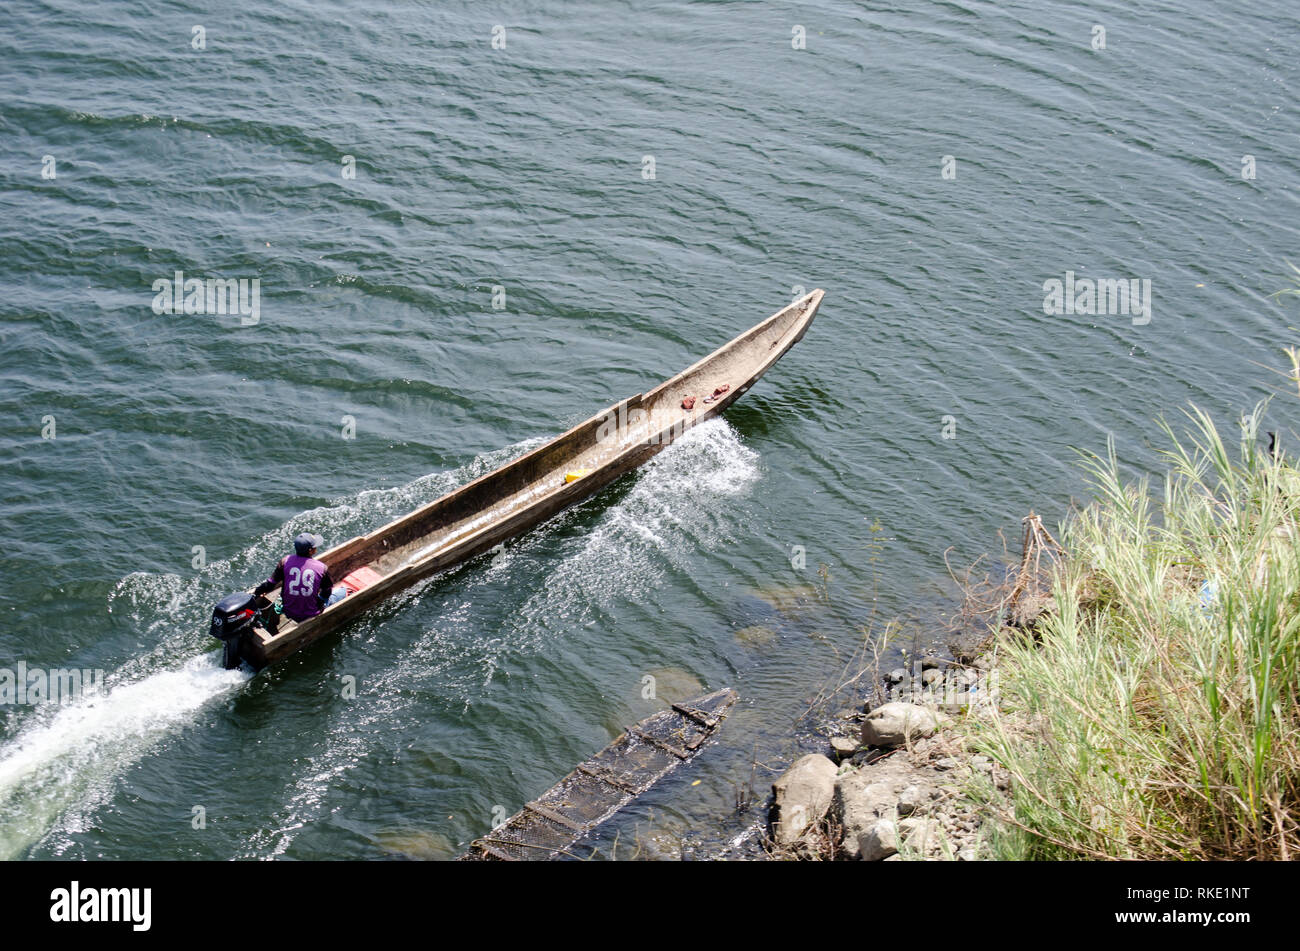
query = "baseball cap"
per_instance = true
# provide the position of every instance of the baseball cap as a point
(306, 542)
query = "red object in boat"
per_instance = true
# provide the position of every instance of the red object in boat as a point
(361, 579)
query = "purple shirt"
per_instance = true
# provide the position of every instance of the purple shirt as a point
(304, 582)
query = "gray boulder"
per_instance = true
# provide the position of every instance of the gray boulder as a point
(923, 836)
(897, 724)
(844, 746)
(910, 800)
(803, 794)
(862, 799)
(879, 842)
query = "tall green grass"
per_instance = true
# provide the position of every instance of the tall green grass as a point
(1156, 715)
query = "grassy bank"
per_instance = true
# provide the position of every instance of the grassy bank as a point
(1154, 710)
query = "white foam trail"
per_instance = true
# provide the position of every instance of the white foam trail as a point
(64, 764)
(667, 517)
(71, 757)
(64, 761)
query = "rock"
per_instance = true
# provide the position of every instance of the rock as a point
(862, 799)
(946, 762)
(897, 724)
(789, 600)
(1029, 609)
(981, 704)
(879, 842)
(931, 663)
(803, 794)
(756, 635)
(671, 685)
(896, 676)
(844, 746)
(924, 836)
(901, 694)
(910, 800)
(932, 676)
(425, 845)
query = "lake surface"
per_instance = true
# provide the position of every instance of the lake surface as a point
(531, 233)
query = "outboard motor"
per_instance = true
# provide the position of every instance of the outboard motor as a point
(232, 618)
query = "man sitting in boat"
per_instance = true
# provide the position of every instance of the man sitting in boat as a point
(305, 585)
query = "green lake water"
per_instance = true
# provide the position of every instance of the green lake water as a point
(524, 172)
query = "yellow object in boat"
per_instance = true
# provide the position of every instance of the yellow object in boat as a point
(573, 475)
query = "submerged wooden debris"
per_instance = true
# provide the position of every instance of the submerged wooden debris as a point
(604, 784)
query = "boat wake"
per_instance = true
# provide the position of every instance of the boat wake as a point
(65, 766)
(64, 761)
(667, 516)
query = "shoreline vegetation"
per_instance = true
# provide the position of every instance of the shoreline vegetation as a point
(1131, 692)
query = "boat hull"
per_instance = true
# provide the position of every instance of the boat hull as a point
(533, 488)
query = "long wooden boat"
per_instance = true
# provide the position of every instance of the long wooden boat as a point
(548, 826)
(521, 494)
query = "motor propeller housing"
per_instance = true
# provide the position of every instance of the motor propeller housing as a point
(234, 616)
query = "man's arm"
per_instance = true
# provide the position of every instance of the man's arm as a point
(326, 586)
(275, 581)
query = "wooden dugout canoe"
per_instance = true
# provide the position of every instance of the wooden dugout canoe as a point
(521, 494)
(575, 806)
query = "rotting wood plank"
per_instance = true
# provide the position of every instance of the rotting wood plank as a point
(555, 817)
(492, 851)
(598, 788)
(611, 780)
(655, 741)
(699, 716)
